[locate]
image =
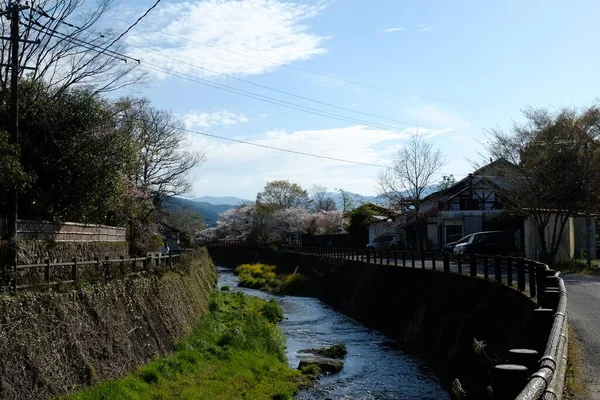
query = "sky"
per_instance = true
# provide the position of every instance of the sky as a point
(353, 79)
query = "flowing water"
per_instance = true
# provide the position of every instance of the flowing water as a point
(374, 367)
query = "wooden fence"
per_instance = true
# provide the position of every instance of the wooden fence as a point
(54, 274)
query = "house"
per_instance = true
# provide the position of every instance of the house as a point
(170, 237)
(472, 204)
(382, 224)
(475, 204)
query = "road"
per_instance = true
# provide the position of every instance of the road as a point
(583, 293)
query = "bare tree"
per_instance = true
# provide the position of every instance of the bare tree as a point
(413, 167)
(322, 201)
(347, 201)
(67, 47)
(547, 170)
(164, 160)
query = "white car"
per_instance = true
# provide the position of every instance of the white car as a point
(383, 242)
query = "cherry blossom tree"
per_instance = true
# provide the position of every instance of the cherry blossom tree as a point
(285, 222)
(243, 223)
(326, 222)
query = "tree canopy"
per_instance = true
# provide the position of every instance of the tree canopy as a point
(547, 169)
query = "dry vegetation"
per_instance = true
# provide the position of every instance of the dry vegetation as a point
(55, 342)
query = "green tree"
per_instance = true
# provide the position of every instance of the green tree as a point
(282, 194)
(447, 182)
(68, 142)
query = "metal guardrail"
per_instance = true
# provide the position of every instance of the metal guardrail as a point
(540, 281)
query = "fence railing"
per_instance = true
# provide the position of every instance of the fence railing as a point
(524, 375)
(50, 274)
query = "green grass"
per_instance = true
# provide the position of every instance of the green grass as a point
(264, 277)
(237, 352)
(577, 266)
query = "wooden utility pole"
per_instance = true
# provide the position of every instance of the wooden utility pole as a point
(13, 198)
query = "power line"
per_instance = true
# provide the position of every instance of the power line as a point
(82, 43)
(134, 24)
(337, 78)
(274, 89)
(269, 99)
(282, 149)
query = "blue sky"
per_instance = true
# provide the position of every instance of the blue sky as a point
(471, 66)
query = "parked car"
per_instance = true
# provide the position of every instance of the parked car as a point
(489, 242)
(449, 247)
(383, 242)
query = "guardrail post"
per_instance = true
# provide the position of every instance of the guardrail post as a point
(446, 262)
(433, 266)
(15, 283)
(459, 263)
(158, 256)
(542, 320)
(47, 272)
(134, 265)
(387, 253)
(122, 266)
(473, 265)
(486, 267)
(508, 381)
(509, 271)
(106, 269)
(532, 283)
(521, 274)
(74, 269)
(422, 259)
(498, 269)
(412, 258)
(380, 257)
(395, 258)
(527, 357)
(368, 256)
(404, 258)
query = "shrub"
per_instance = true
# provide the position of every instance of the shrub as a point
(225, 288)
(338, 350)
(272, 311)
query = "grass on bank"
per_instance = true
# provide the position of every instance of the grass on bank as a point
(237, 352)
(574, 386)
(577, 266)
(264, 277)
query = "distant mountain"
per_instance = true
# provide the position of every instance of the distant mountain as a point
(357, 199)
(210, 212)
(217, 201)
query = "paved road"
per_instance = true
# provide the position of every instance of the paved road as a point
(584, 315)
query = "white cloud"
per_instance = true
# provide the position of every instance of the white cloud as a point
(242, 170)
(395, 29)
(212, 33)
(262, 115)
(208, 119)
(423, 28)
(431, 115)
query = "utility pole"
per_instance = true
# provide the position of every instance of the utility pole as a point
(13, 198)
(588, 222)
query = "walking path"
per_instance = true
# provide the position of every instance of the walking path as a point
(583, 292)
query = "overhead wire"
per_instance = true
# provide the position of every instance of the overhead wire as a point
(269, 99)
(98, 48)
(273, 89)
(323, 75)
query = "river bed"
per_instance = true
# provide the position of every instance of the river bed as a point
(374, 368)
